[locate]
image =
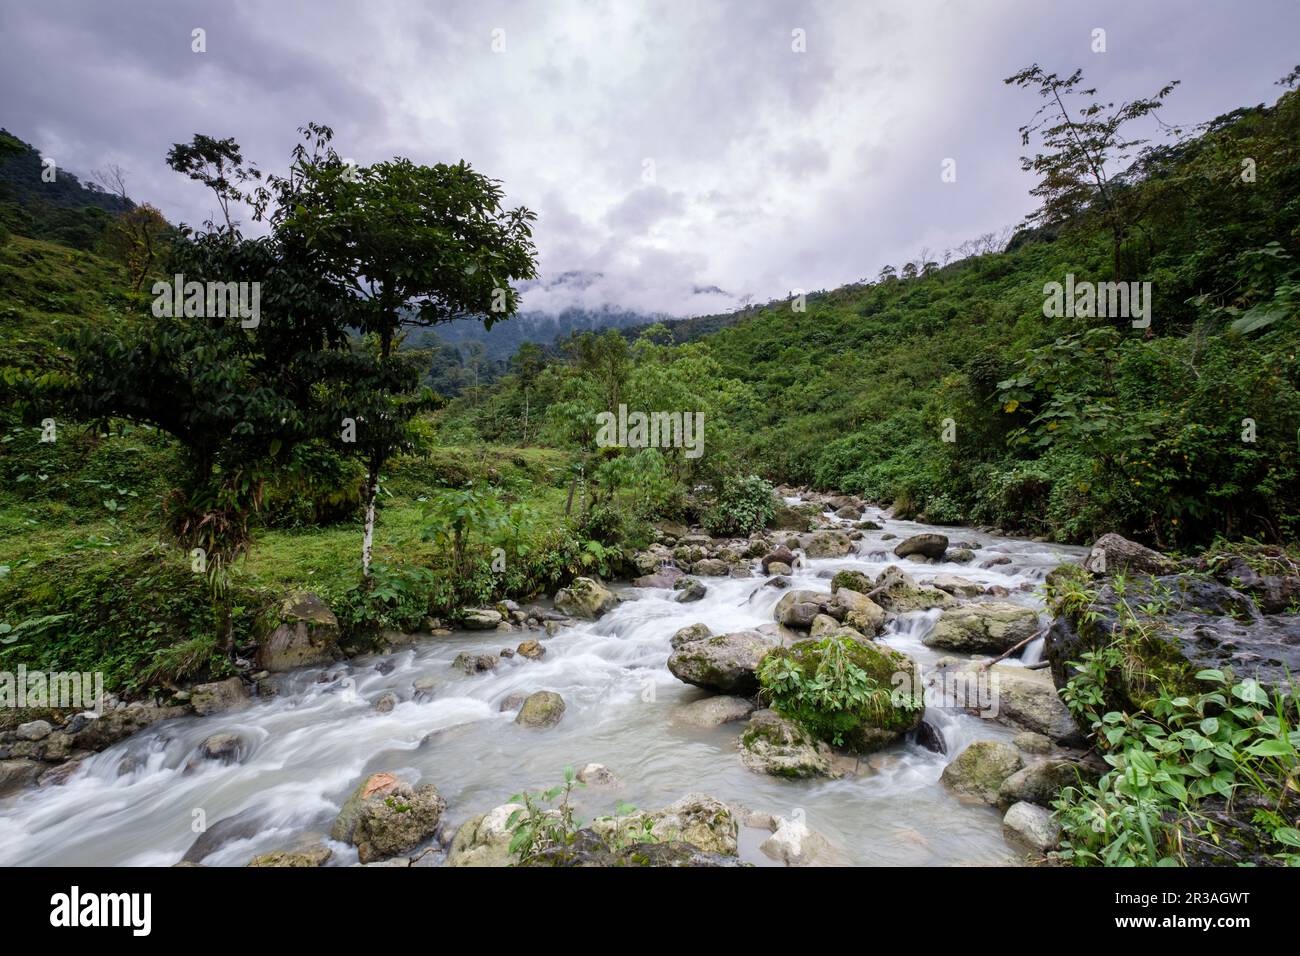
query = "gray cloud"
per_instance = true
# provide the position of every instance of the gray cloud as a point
(773, 170)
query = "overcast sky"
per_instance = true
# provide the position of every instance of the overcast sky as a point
(670, 147)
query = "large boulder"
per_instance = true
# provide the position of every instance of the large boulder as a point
(979, 770)
(926, 545)
(300, 631)
(1113, 554)
(384, 817)
(1031, 825)
(711, 568)
(542, 709)
(983, 628)
(727, 663)
(585, 598)
(773, 745)
(1029, 699)
(860, 612)
(689, 634)
(853, 580)
(795, 517)
(827, 544)
(480, 619)
(874, 723)
(895, 590)
(18, 774)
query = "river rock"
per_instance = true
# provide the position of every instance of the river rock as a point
(480, 619)
(697, 818)
(860, 612)
(1042, 782)
(926, 545)
(1032, 743)
(822, 625)
(773, 745)
(485, 840)
(853, 580)
(34, 730)
(241, 826)
(689, 634)
(307, 851)
(1031, 825)
(386, 701)
(899, 592)
(385, 817)
(797, 609)
(542, 709)
(983, 628)
(710, 568)
(513, 702)
(795, 844)
(959, 555)
(957, 586)
(1113, 554)
(300, 631)
(714, 711)
(219, 696)
(688, 589)
(780, 555)
(727, 663)
(597, 775)
(222, 747)
(978, 771)
(827, 544)
(18, 774)
(470, 664)
(1030, 700)
(585, 598)
(533, 650)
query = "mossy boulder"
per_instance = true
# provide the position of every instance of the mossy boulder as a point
(773, 745)
(697, 818)
(870, 725)
(794, 517)
(299, 631)
(827, 544)
(897, 591)
(853, 580)
(585, 598)
(384, 817)
(988, 627)
(978, 772)
(542, 709)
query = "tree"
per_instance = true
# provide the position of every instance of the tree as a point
(528, 364)
(1082, 146)
(236, 399)
(417, 245)
(136, 238)
(219, 165)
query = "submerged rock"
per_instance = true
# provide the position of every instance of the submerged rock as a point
(714, 711)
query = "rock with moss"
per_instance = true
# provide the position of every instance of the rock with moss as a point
(384, 817)
(897, 591)
(987, 627)
(306, 851)
(217, 697)
(978, 771)
(689, 634)
(1043, 781)
(860, 612)
(585, 598)
(299, 631)
(542, 709)
(484, 840)
(827, 544)
(853, 580)
(697, 818)
(727, 663)
(1114, 554)
(797, 517)
(773, 745)
(882, 717)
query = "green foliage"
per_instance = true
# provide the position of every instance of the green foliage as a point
(743, 505)
(1172, 759)
(537, 827)
(835, 686)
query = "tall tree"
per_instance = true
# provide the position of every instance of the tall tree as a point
(1083, 140)
(418, 245)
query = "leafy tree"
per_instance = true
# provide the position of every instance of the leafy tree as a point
(417, 245)
(1082, 145)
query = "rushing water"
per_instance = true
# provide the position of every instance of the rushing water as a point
(304, 751)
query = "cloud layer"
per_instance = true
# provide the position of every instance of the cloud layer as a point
(666, 147)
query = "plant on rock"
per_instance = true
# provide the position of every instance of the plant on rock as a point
(842, 689)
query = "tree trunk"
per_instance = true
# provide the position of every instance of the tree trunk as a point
(368, 539)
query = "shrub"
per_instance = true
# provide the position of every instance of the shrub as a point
(742, 506)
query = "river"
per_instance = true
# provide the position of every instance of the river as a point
(307, 748)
